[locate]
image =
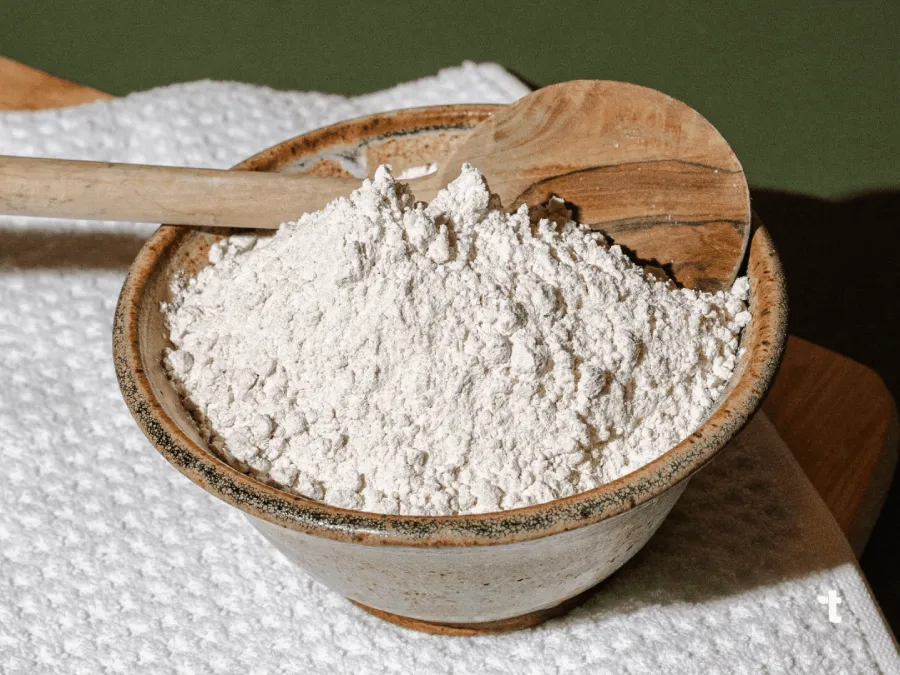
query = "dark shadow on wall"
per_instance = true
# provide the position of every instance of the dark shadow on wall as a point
(842, 261)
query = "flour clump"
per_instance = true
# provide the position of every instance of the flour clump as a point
(393, 356)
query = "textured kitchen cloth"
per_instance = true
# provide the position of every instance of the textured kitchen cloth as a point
(112, 562)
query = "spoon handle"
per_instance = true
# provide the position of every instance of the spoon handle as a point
(160, 194)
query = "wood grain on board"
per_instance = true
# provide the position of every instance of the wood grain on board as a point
(25, 88)
(836, 415)
(840, 422)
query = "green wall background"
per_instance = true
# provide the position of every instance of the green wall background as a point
(808, 95)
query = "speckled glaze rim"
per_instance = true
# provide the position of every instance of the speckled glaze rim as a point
(305, 515)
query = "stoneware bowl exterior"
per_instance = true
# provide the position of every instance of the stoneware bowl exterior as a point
(452, 574)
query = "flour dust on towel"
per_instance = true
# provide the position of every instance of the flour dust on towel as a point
(393, 356)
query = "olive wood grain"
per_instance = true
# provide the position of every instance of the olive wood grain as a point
(644, 168)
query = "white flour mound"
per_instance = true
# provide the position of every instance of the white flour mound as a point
(393, 356)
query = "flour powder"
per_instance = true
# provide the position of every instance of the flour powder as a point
(399, 357)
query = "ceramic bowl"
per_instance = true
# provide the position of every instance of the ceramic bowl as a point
(451, 574)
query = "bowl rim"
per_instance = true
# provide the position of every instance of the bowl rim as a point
(305, 515)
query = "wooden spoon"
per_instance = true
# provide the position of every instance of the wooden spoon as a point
(644, 168)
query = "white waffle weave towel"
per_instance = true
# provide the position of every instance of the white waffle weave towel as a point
(112, 562)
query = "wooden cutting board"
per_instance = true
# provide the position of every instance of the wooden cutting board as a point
(835, 415)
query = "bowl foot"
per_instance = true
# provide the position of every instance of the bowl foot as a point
(483, 628)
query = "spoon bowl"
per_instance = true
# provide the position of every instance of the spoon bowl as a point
(644, 168)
